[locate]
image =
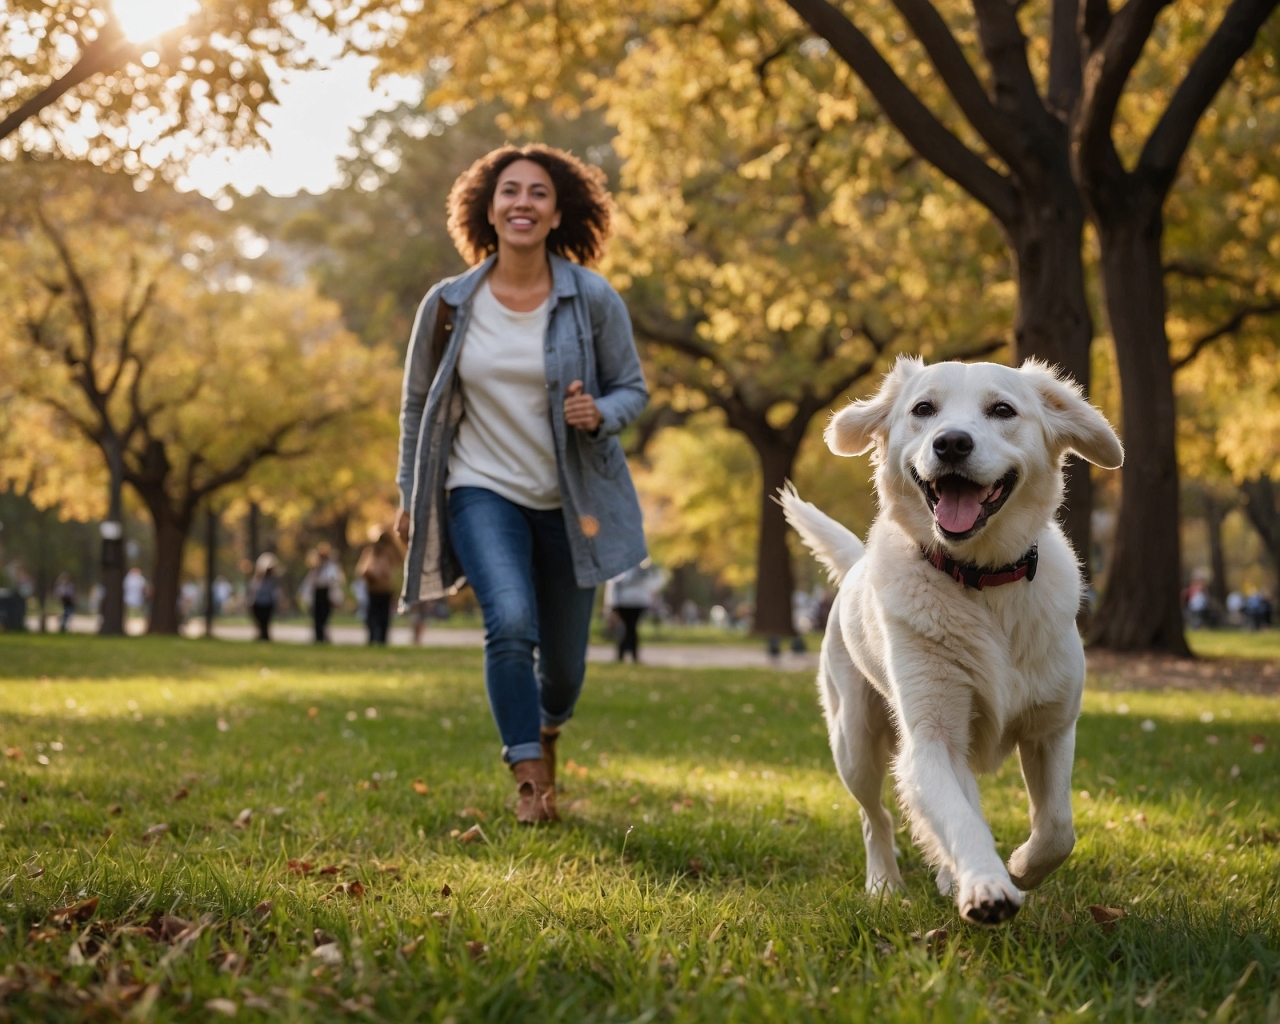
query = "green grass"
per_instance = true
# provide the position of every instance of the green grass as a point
(710, 868)
(1217, 643)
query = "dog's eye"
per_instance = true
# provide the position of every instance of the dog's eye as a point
(923, 409)
(1003, 411)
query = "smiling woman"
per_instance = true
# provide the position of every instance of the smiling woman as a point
(143, 20)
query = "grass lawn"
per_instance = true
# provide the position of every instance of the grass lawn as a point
(1225, 643)
(710, 867)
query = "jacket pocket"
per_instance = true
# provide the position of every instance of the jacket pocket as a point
(605, 457)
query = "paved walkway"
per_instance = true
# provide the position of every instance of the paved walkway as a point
(659, 655)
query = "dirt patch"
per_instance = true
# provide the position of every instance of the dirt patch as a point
(1109, 670)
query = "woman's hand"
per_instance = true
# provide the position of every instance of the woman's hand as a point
(402, 525)
(580, 410)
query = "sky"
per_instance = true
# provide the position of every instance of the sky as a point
(309, 130)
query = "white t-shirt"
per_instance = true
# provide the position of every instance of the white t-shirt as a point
(504, 442)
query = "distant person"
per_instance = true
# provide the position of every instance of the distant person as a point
(376, 569)
(323, 589)
(629, 596)
(527, 495)
(135, 592)
(64, 591)
(264, 592)
(222, 593)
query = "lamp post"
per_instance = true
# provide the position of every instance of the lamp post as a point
(132, 24)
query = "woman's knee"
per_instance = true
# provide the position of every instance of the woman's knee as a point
(510, 618)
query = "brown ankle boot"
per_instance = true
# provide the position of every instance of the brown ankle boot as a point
(536, 796)
(549, 737)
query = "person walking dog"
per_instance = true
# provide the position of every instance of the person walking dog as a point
(520, 374)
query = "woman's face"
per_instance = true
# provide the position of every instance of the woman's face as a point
(523, 210)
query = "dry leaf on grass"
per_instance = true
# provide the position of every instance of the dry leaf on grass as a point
(182, 794)
(75, 911)
(1107, 916)
(34, 871)
(446, 891)
(226, 1007)
(301, 867)
(579, 805)
(695, 867)
(312, 712)
(472, 812)
(769, 956)
(264, 908)
(476, 948)
(579, 771)
(155, 832)
(353, 889)
(14, 753)
(115, 809)
(328, 954)
(243, 818)
(420, 787)
(409, 948)
(475, 832)
(329, 869)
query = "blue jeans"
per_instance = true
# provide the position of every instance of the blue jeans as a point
(518, 562)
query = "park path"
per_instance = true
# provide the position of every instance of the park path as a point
(658, 655)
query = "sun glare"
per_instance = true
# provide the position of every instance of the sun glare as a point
(143, 20)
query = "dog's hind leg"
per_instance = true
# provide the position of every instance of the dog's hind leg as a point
(862, 737)
(1046, 768)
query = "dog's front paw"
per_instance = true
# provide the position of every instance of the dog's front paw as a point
(1039, 857)
(946, 881)
(884, 885)
(988, 901)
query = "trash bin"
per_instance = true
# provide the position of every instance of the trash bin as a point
(13, 611)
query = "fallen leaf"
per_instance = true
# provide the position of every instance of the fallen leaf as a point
(934, 940)
(226, 1007)
(366, 784)
(695, 867)
(715, 932)
(154, 832)
(682, 805)
(353, 889)
(330, 869)
(445, 891)
(243, 818)
(14, 753)
(634, 800)
(580, 771)
(312, 712)
(301, 867)
(1107, 916)
(409, 948)
(476, 948)
(34, 871)
(75, 911)
(420, 787)
(472, 812)
(769, 956)
(389, 869)
(579, 805)
(182, 794)
(263, 909)
(115, 809)
(472, 834)
(328, 954)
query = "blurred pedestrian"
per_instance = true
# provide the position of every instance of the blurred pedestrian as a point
(64, 591)
(222, 592)
(527, 495)
(264, 592)
(323, 589)
(136, 589)
(376, 569)
(629, 595)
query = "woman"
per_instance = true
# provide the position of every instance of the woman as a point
(519, 376)
(323, 589)
(264, 592)
(376, 570)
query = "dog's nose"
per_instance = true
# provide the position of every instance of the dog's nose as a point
(953, 445)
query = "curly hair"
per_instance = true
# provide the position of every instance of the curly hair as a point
(586, 209)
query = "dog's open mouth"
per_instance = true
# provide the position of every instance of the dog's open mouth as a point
(960, 506)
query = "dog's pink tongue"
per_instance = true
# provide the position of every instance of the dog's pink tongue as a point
(958, 507)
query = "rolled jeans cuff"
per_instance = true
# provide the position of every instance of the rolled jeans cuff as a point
(550, 721)
(522, 752)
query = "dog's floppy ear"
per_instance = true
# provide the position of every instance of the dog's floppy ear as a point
(859, 425)
(1070, 421)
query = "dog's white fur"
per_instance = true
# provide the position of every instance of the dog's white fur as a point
(943, 679)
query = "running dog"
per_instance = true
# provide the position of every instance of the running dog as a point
(953, 638)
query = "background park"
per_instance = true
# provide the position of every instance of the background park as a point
(201, 350)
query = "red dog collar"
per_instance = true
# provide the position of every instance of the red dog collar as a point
(977, 577)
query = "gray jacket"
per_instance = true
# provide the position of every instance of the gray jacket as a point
(588, 339)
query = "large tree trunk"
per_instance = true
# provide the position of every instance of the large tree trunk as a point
(774, 579)
(1053, 322)
(166, 575)
(1141, 609)
(1260, 506)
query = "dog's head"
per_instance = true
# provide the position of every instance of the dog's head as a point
(969, 455)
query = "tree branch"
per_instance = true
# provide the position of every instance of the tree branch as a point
(1065, 58)
(929, 136)
(1005, 48)
(1222, 330)
(1111, 60)
(1230, 41)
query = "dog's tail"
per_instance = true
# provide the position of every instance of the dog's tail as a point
(833, 545)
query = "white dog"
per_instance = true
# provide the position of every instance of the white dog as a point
(954, 640)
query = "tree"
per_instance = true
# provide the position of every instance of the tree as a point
(767, 253)
(76, 84)
(131, 319)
